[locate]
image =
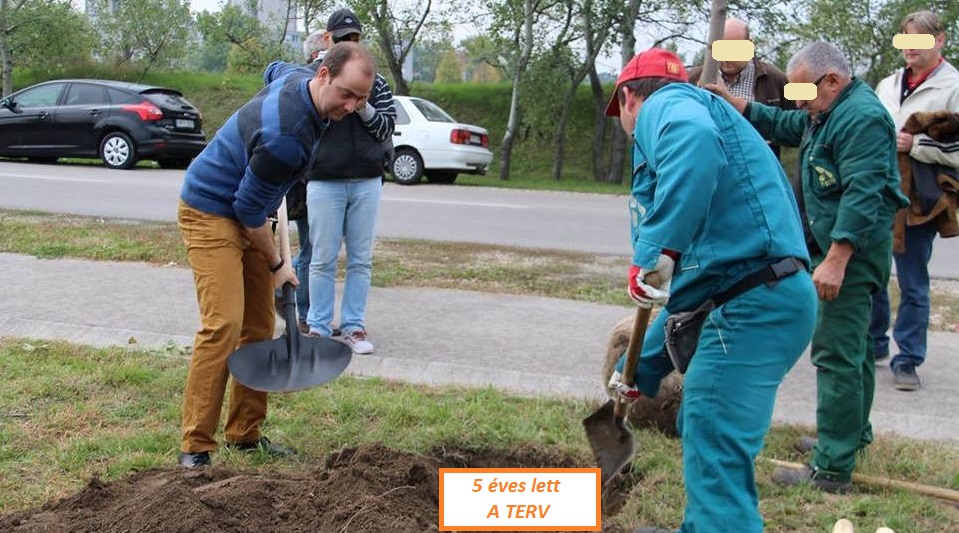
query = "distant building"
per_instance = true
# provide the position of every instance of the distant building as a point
(92, 7)
(274, 15)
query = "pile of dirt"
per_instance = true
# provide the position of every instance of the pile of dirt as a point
(371, 489)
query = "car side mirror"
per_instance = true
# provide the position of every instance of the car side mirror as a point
(10, 104)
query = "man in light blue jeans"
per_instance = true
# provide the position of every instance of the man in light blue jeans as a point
(343, 199)
(342, 211)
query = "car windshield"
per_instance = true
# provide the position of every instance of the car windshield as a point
(431, 111)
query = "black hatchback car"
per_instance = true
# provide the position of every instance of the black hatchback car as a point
(119, 122)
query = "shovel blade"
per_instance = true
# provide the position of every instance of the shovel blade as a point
(289, 363)
(612, 442)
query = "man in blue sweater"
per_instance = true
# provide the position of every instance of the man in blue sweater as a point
(228, 191)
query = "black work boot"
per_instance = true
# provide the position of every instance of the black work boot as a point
(792, 477)
(263, 445)
(805, 444)
(904, 377)
(194, 460)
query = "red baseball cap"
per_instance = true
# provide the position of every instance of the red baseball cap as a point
(653, 63)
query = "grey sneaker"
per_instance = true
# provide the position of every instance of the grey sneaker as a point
(805, 444)
(357, 341)
(793, 477)
(904, 377)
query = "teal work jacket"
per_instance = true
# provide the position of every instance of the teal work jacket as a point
(705, 184)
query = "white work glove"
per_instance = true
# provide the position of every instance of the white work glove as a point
(618, 390)
(646, 295)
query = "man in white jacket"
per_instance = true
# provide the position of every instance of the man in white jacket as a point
(927, 83)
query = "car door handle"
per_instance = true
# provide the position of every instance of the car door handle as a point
(397, 133)
(94, 112)
(43, 115)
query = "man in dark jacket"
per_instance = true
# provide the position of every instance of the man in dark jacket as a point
(343, 198)
(754, 80)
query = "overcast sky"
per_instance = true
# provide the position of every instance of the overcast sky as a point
(208, 5)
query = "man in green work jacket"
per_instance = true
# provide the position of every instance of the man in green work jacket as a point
(850, 186)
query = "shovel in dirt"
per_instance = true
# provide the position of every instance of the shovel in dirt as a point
(292, 361)
(609, 437)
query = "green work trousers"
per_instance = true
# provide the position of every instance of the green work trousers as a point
(845, 366)
(234, 291)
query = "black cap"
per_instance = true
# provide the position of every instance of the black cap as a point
(342, 23)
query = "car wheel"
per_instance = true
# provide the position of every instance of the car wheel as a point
(118, 151)
(173, 163)
(444, 178)
(407, 167)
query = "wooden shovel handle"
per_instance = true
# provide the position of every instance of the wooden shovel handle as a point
(283, 229)
(635, 344)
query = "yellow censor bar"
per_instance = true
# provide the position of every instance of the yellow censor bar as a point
(800, 91)
(733, 50)
(913, 41)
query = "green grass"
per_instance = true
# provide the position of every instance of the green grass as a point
(68, 413)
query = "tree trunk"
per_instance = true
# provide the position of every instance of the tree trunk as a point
(617, 154)
(599, 132)
(717, 20)
(560, 139)
(525, 40)
(512, 126)
(6, 62)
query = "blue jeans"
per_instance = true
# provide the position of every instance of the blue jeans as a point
(301, 264)
(912, 320)
(338, 211)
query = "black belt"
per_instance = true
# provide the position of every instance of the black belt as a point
(768, 274)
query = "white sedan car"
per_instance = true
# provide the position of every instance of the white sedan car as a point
(429, 141)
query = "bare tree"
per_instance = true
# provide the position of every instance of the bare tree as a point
(397, 29)
(595, 21)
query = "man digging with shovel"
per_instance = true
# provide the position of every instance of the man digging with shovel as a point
(228, 191)
(714, 219)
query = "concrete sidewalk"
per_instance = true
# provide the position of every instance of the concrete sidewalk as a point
(521, 344)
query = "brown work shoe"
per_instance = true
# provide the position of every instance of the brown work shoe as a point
(793, 477)
(303, 327)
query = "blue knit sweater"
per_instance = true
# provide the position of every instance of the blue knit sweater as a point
(260, 152)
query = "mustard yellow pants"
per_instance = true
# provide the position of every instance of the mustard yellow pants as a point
(234, 290)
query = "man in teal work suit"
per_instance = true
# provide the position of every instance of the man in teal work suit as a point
(850, 184)
(714, 218)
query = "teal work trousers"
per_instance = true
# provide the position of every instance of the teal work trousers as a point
(746, 348)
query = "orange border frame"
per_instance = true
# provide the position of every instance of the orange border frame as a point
(599, 500)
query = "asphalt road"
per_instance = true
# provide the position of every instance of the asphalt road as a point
(591, 223)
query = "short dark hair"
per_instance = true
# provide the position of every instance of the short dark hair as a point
(341, 53)
(643, 87)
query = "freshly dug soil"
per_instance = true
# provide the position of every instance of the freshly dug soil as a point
(371, 489)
